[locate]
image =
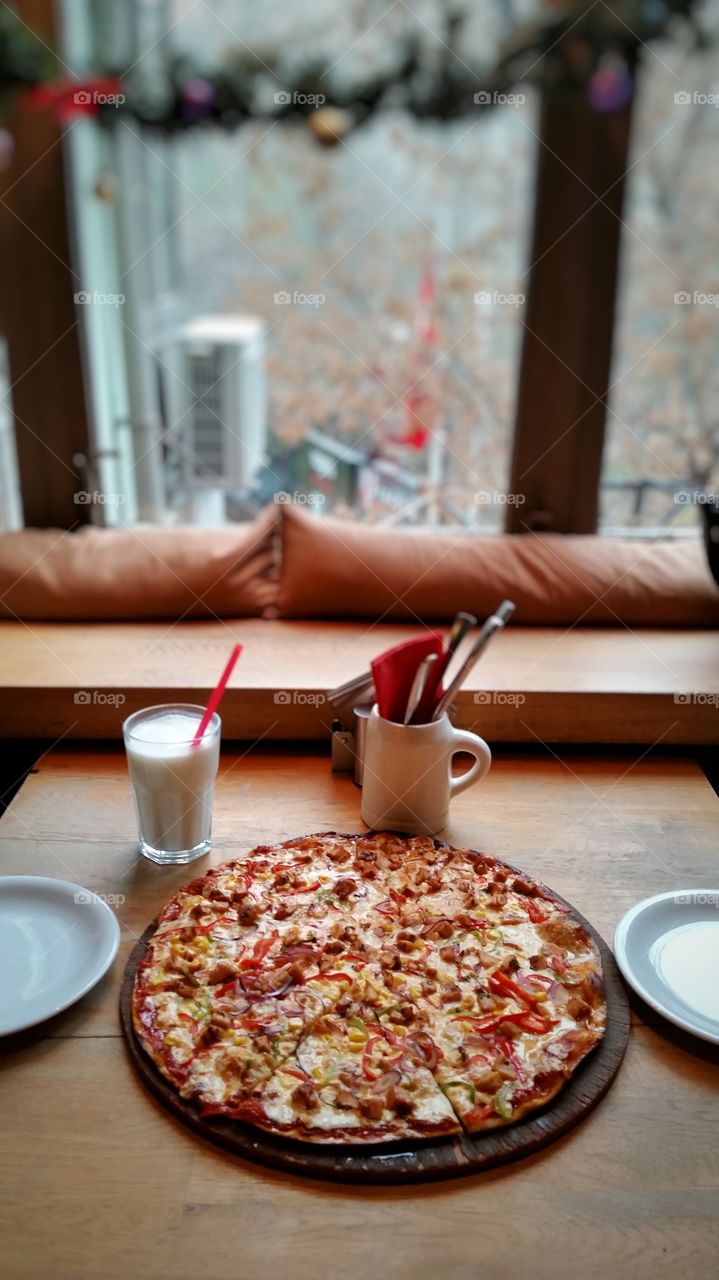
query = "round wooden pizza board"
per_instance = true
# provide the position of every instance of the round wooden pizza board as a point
(399, 1162)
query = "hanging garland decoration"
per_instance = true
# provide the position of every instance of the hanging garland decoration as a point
(578, 45)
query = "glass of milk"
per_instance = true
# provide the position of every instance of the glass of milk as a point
(172, 779)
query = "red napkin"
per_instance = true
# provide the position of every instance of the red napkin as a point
(395, 670)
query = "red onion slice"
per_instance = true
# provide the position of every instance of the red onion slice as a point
(384, 1082)
(254, 994)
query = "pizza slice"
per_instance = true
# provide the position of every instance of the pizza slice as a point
(352, 1081)
(509, 1036)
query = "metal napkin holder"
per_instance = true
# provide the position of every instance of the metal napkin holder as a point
(351, 704)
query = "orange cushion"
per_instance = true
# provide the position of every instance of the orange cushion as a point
(337, 569)
(138, 573)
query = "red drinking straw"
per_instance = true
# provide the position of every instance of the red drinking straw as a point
(216, 695)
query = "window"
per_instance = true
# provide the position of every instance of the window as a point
(405, 319)
(343, 323)
(662, 446)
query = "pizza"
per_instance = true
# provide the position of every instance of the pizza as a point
(368, 988)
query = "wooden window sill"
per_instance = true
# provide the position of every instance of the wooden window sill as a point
(535, 683)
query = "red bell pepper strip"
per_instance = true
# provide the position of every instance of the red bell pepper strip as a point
(534, 913)
(303, 888)
(502, 982)
(260, 950)
(267, 1026)
(246, 881)
(532, 1021)
(488, 1023)
(527, 1019)
(226, 988)
(299, 1075)
(206, 928)
(387, 1065)
(477, 1114)
(390, 1036)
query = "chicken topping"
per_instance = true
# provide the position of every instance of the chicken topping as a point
(249, 912)
(345, 886)
(283, 912)
(578, 1009)
(221, 971)
(305, 1095)
(371, 1107)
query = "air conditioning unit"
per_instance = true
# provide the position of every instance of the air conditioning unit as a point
(11, 516)
(215, 400)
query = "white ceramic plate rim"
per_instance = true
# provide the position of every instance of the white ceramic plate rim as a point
(623, 959)
(105, 958)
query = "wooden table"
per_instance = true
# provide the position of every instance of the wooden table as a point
(97, 1181)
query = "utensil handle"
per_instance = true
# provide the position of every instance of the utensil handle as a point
(491, 625)
(419, 684)
(494, 623)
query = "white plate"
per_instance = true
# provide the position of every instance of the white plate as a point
(56, 941)
(667, 947)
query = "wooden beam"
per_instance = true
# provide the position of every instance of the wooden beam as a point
(39, 284)
(569, 321)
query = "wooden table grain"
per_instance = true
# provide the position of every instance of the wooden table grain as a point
(97, 1181)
